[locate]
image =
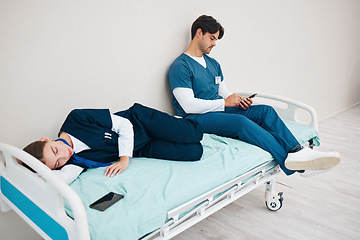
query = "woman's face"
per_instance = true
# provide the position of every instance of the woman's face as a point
(56, 154)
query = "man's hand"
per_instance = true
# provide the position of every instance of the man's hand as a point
(118, 167)
(235, 100)
(245, 103)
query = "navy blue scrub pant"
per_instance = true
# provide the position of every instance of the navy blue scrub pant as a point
(159, 135)
(259, 125)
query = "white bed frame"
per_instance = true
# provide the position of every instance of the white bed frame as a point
(38, 198)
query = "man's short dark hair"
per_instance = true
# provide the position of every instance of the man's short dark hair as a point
(207, 24)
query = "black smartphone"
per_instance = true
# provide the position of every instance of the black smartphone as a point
(253, 95)
(106, 201)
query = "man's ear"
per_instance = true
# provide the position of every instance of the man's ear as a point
(45, 140)
(199, 32)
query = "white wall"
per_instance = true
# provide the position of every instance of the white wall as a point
(60, 55)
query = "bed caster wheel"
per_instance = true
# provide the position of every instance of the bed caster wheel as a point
(273, 202)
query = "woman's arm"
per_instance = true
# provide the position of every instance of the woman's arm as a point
(118, 167)
(124, 129)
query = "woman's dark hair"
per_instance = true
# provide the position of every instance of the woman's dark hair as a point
(207, 24)
(36, 150)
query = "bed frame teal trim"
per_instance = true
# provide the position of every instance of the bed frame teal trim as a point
(53, 229)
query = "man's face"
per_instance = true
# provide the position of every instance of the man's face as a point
(208, 41)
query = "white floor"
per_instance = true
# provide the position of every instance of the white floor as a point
(325, 206)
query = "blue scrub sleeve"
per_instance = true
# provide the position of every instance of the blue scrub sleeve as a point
(179, 75)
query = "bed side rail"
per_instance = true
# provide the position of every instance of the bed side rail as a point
(38, 197)
(212, 201)
(287, 108)
(237, 182)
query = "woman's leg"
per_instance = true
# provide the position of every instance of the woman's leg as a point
(171, 151)
(160, 125)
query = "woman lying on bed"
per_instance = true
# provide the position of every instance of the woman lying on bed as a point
(91, 138)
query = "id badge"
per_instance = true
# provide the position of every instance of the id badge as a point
(217, 79)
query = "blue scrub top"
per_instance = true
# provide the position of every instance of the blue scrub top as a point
(186, 72)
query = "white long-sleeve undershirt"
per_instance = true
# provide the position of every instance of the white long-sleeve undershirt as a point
(192, 105)
(223, 90)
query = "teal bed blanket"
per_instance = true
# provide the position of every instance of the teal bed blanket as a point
(152, 187)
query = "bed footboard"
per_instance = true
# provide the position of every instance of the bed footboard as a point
(288, 109)
(38, 197)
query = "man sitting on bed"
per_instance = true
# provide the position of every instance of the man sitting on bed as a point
(200, 93)
(92, 138)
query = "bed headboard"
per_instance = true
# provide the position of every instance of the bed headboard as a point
(39, 202)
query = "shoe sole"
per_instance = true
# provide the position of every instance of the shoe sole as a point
(310, 173)
(315, 164)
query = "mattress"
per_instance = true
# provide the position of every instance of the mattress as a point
(152, 187)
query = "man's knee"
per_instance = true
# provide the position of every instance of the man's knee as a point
(267, 109)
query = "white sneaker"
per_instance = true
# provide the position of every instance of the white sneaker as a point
(308, 159)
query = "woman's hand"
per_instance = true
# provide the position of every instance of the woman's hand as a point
(118, 167)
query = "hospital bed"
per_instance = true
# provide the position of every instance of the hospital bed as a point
(162, 198)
